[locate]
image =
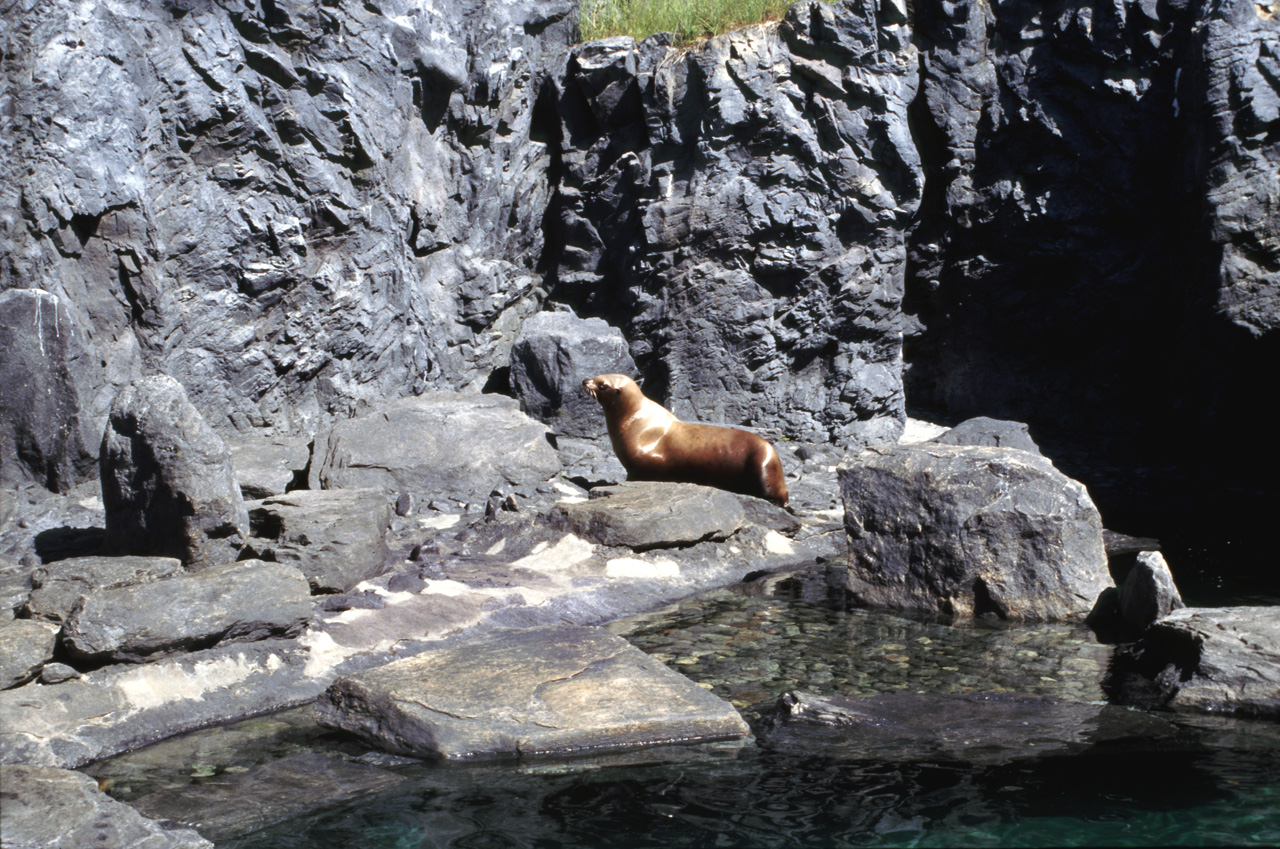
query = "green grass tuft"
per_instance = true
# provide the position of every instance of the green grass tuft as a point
(689, 20)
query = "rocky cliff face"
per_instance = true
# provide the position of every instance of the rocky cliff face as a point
(740, 208)
(1096, 248)
(290, 207)
(298, 209)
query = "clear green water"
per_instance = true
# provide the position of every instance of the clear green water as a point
(1210, 782)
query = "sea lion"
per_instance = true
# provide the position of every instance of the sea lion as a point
(654, 445)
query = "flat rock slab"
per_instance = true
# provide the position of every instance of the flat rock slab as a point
(55, 588)
(982, 728)
(336, 537)
(1206, 660)
(245, 601)
(558, 690)
(48, 808)
(25, 646)
(272, 793)
(123, 707)
(643, 515)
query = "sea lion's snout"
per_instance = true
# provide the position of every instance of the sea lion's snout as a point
(589, 386)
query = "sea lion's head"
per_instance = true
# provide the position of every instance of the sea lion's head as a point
(611, 390)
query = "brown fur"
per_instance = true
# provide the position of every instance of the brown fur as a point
(654, 445)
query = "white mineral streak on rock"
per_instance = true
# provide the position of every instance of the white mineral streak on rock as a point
(156, 684)
(569, 551)
(633, 567)
(776, 543)
(440, 522)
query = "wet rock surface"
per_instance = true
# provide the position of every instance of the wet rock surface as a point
(449, 574)
(1210, 660)
(167, 482)
(541, 691)
(275, 792)
(49, 808)
(970, 531)
(123, 707)
(337, 538)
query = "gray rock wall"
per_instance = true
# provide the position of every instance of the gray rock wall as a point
(740, 208)
(290, 207)
(1097, 242)
(300, 210)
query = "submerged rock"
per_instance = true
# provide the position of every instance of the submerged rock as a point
(48, 808)
(1208, 660)
(272, 793)
(648, 514)
(970, 531)
(439, 445)
(336, 537)
(167, 482)
(554, 690)
(981, 728)
(238, 602)
(25, 646)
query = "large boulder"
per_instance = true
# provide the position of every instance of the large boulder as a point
(1204, 660)
(49, 808)
(995, 433)
(167, 482)
(552, 690)
(739, 209)
(553, 354)
(438, 445)
(337, 538)
(41, 436)
(237, 602)
(961, 531)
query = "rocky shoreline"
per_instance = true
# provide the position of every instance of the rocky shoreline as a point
(296, 300)
(333, 589)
